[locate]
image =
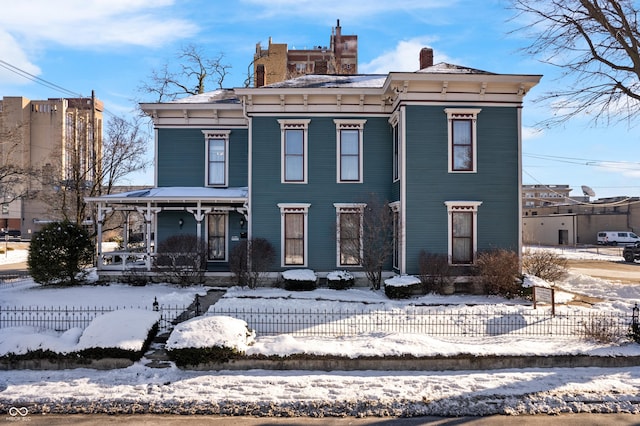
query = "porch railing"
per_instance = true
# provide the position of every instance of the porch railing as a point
(125, 260)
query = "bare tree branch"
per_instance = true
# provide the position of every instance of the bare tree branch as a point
(595, 43)
(190, 75)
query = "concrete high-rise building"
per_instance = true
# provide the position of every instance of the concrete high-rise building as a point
(278, 63)
(60, 140)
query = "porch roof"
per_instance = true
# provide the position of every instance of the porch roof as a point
(176, 194)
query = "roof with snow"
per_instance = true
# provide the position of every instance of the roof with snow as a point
(444, 68)
(220, 96)
(177, 193)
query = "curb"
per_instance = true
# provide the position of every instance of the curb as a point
(423, 364)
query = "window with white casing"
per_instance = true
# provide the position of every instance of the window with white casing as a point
(462, 138)
(294, 231)
(294, 135)
(349, 143)
(349, 234)
(462, 229)
(217, 157)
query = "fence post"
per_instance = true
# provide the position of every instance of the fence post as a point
(635, 327)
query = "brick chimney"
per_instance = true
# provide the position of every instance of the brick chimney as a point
(426, 57)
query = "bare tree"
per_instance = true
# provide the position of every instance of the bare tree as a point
(123, 152)
(188, 77)
(13, 176)
(367, 240)
(91, 172)
(593, 42)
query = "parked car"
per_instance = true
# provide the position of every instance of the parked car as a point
(13, 234)
(613, 238)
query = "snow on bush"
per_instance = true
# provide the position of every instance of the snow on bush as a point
(402, 286)
(299, 275)
(402, 281)
(211, 331)
(125, 329)
(339, 276)
(21, 340)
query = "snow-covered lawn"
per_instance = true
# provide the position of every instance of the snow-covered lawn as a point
(338, 392)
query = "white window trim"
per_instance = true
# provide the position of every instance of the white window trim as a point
(348, 207)
(294, 125)
(350, 125)
(395, 208)
(462, 206)
(226, 236)
(463, 114)
(216, 134)
(294, 208)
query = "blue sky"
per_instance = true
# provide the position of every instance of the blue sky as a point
(111, 46)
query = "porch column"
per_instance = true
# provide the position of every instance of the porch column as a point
(102, 213)
(148, 213)
(199, 213)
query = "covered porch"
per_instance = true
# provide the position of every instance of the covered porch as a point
(144, 218)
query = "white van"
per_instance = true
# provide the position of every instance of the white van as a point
(617, 237)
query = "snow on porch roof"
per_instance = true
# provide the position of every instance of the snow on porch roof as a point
(176, 194)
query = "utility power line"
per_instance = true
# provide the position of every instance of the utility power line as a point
(22, 73)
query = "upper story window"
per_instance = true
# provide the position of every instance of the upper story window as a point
(462, 137)
(349, 150)
(294, 135)
(217, 157)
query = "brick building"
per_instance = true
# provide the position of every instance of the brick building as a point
(277, 62)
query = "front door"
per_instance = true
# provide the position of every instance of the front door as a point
(217, 239)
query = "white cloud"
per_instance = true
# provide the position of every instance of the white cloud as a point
(13, 54)
(94, 24)
(404, 57)
(529, 133)
(342, 9)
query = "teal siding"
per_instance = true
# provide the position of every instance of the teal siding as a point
(429, 184)
(168, 226)
(322, 190)
(182, 157)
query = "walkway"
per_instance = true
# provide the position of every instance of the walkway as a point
(157, 353)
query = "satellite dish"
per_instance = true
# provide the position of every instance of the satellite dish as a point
(587, 191)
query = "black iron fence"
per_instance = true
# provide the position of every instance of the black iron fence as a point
(468, 321)
(62, 318)
(459, 322)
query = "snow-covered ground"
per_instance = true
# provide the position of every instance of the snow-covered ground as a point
(359, 393)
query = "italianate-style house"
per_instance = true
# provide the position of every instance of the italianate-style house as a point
(296, 162)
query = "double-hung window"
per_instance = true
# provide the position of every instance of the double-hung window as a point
(462, 231)
(462, 136)
(294, 135)
(349, 150)
(294, 234)
(349, 234)
(217, 157)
